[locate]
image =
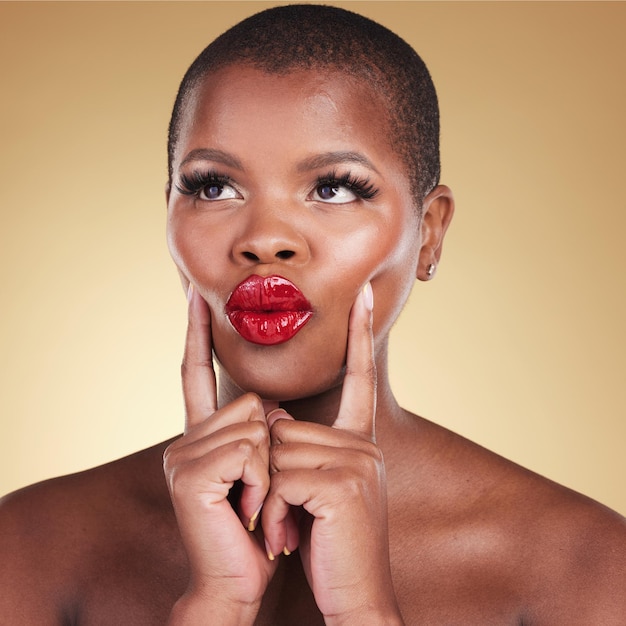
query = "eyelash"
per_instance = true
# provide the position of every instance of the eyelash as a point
(190, 185)
(193, 184)
(362, 187)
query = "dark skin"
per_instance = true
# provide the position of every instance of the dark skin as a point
(388, 517)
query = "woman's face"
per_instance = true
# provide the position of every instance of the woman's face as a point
(290, 176)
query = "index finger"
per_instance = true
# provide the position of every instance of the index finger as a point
(199, 386)
(358, 396)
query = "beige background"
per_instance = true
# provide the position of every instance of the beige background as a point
(518, 344)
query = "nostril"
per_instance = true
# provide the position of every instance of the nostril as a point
(253, 257)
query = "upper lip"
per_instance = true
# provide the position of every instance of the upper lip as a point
(267, 294)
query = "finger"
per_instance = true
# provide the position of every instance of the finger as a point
(187, 449)
(209, 478)
(289, 456)
(199, 490)
(358, 397)
(280, 527)
(245, 408)
(199, 386)
(277, 414)
(292, 533)
(289, 431)
(322, 494)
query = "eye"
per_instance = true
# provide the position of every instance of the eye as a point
(217, 191)
(207, 186)
(333, 193)
(342, 189)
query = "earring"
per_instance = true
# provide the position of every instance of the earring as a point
(430, 271)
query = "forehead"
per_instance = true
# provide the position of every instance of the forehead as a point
(239, 103)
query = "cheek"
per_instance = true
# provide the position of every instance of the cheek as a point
(393, 277)
(196, 254)
(178, 244)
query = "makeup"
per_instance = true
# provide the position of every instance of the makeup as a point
(267, 310)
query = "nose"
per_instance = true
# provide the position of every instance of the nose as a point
(270, 237)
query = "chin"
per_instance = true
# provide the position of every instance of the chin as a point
(283, 380)
(305, 366)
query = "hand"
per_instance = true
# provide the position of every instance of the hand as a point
(229, 568)
(337, 475)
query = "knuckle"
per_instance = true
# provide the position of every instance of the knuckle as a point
(279, 429)
(261, 434)
(169, 457)
(188, 365)
(277, 482)
(367, 469)
(245, 448)
(183, 484)
(375, 453)
(368, 373)
(355, 486)
(177, 479)
(276, 454)
(252, 402)
(374, 469)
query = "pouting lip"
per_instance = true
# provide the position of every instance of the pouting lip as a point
(267, 311)
(258, 294)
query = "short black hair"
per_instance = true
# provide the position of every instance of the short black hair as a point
(308, 36)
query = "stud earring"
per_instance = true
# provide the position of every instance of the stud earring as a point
(430, 271)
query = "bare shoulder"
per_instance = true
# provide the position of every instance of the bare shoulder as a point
(59, 537)
(503, 537)
(574, 550)
(578, 546)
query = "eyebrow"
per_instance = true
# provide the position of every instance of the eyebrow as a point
(325, 159)
(334, 158)
(206, 154)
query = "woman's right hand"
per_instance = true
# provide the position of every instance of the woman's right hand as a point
(229, 568)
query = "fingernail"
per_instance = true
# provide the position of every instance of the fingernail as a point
(277, 414)
(189, 292)
(286, 552)
(270, 555)
(368, 297)
(253, 519)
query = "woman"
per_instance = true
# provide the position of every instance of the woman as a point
(303, 202)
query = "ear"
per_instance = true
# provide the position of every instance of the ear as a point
(437, 212)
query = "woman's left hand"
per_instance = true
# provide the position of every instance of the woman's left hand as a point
(337, 475)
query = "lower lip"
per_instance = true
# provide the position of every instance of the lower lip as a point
(268, 328)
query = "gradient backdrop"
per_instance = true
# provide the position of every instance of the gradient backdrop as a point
(518, 344)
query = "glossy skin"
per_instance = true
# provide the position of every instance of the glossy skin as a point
(278, 221)
(335, 474)
(282, 131)
(395, 519)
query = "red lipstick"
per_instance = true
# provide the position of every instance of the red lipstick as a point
(268, 310)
